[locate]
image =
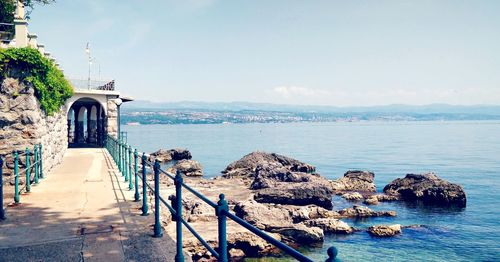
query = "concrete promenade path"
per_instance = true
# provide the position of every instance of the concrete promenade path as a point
(82, 211)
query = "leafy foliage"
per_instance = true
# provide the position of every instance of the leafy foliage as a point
(28, 65)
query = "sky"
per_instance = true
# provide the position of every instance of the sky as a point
(338, 53)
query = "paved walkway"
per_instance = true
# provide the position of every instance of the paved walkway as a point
(81, 211)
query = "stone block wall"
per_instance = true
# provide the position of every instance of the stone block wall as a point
(23, 124)
(112, 119)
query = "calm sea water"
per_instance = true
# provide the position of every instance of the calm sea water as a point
(467, 153)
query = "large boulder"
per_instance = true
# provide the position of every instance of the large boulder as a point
(245, 167)
(262, 216)
(428, 188)
(330, 225)
(300, 234)
(297, 194)
(267, 176)
(355, 181)
(384, 230)
(361, 211)
(251, 245)
(164, 156)
(188, 168)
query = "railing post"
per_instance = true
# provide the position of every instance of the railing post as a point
(178, 212)
(119, 148)
(157, 227)
(332, 254)
(222, 207)
(125, 162)
(28, 175)
(2, 211)
(35, 162)
(144, 187)
(130, 152)
(16, 177)
(41, 159)
(136, 170)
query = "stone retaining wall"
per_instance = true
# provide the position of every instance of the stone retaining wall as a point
(23, 124)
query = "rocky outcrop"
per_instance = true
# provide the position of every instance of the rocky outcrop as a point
(362, 211)
(384, 230)
(355, 181)
(265, 217)
(246, 166)
(330, 225)
(297, 194)
(355, 196)
(250, 244)
(188, 168)
(428, 188)
(164, 156)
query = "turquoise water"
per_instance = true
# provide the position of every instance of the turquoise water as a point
(467, 153)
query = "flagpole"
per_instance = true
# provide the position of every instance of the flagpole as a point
(87, 50)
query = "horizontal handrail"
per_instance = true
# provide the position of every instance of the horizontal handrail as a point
(121, 153)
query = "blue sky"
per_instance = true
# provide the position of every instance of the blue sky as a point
(339, 53)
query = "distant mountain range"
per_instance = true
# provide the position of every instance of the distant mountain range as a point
(145, 112)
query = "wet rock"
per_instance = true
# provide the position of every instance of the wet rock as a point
(352, 196)
(180, 154)
(246, 166)
(187, 168)
(355, 181)
(428, 188)
(362, 211)
(375, 199)
(330, 225)
(384, 230)
(297, 194)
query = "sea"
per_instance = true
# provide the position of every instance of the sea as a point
(462, 152)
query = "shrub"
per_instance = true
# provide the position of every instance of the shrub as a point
(29, 66)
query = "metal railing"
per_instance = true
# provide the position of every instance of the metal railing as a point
(35, 176)
(127, 160)
(85, 84)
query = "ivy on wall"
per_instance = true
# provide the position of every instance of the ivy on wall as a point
(29, 66)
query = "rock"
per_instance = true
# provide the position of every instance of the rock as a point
(352, 196)
(180, 154)
(362, 211)
(262, 216)
(188, 168)
(172, 154)
(300, 234)
(251, 245)
(428, 188)
(330, 225)
(384, 230)
(161, 155)
(297, 194)
(375, 199)
(246, 166)
(269, 175)
(236, 254)
(355, 181)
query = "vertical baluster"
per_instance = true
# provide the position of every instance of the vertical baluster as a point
(222, 207)
(2, 211)
(35, 162)
(136, 170)
(41, 159)
(16, 177)
(130, 185)
(125, 162)
(179, 256)
(157, 228)
(144, 187)
(28, 175)
(119, 145)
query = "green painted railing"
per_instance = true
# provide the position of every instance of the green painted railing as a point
(35, 176)
(122, 154)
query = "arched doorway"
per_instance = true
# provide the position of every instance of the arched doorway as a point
(86, 122)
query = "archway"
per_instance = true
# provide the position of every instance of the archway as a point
(88, 120)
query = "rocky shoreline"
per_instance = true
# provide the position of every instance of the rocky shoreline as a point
(291, 201)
